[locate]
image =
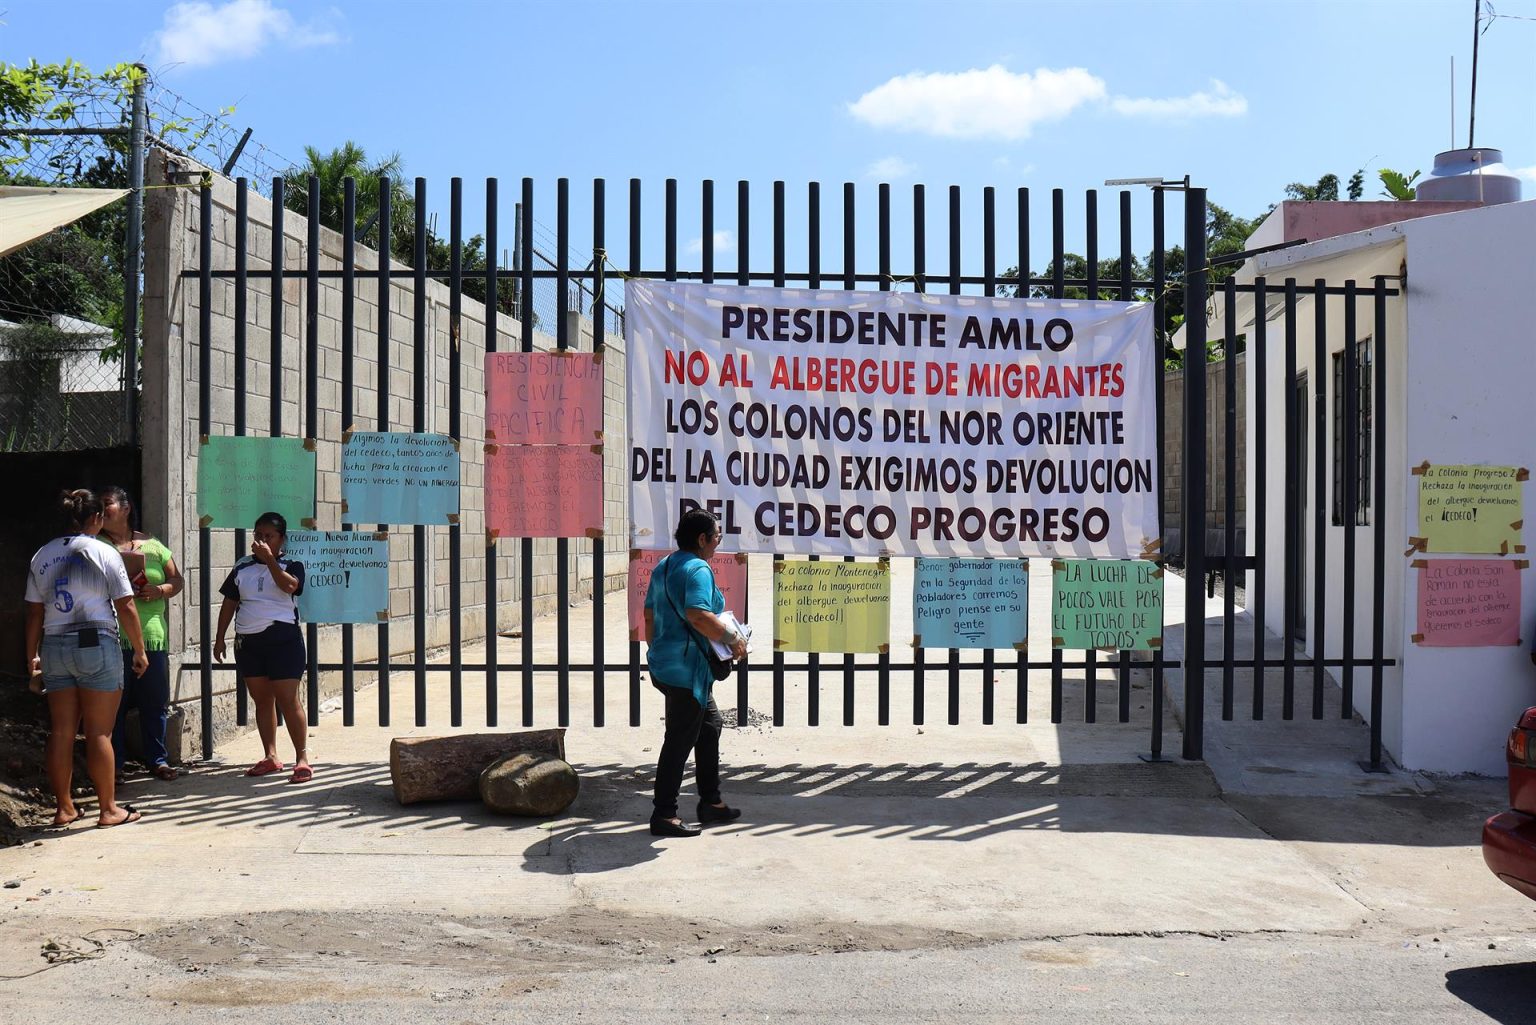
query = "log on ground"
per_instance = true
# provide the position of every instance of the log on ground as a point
(448, 768)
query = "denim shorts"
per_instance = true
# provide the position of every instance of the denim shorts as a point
(66, 664)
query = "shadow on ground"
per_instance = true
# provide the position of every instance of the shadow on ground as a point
(1504, 992)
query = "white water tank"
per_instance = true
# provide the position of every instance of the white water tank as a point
(1470, 175)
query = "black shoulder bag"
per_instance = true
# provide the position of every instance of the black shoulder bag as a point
(719, 668)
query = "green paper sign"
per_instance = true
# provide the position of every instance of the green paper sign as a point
(1470, 509)
(1106, 605)
(238, 479)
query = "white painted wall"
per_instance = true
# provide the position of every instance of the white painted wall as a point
(1472, 391)
(1461, 362)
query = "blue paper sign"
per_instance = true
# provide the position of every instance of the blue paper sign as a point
(970, 603)
(346, 575)
(393, 477)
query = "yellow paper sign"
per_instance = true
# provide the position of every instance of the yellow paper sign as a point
(1470, 509)
(832, 606)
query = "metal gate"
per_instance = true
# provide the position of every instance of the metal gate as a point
(256, 331)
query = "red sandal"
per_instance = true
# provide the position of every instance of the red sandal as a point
(265, 767)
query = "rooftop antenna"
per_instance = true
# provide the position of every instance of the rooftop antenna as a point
(1477, 18)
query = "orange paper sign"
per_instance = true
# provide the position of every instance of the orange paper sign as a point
(730, 577)
(543, 398)
(544, 491)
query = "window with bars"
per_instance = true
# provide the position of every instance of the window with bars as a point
(1362, 429)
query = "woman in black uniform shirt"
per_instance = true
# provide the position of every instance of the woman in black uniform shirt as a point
(259, 595)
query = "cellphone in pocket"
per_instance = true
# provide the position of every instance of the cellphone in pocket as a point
(88, 639)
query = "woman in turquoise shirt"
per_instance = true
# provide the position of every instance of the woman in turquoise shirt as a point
(682, 613)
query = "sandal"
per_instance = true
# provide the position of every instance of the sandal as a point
(164, 771)
(132, 816)
(265, 767)
(302, 774)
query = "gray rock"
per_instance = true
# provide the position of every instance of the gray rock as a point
(529, 784)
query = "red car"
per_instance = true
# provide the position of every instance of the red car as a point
(1509, 838)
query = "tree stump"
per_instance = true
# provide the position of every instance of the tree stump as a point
(449, 768)
(528, 784)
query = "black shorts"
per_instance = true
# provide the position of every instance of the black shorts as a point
(276, 653)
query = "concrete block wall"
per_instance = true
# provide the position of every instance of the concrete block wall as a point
(171, 434)
(1216, 482)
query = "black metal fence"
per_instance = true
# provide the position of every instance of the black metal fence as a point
(882, 270)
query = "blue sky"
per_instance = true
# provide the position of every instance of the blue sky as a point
(1243, 96)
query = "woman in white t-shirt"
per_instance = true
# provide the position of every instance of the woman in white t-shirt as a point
(73, 586)
(260, 597)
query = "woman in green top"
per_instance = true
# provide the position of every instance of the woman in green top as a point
(157, 581)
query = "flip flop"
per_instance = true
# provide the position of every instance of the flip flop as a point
(265, 767)
(133, 816)
(302, 774)
(164, 771)
(65, 824)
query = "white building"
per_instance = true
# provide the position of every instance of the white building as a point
(1460, 354)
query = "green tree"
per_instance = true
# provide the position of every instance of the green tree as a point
(349, 160)
(1398, 185)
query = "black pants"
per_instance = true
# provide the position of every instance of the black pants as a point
(689, 728)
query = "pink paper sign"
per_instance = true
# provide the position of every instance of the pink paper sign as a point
(544, 491)
(730, 577)
(543, 398)
(1467, 603)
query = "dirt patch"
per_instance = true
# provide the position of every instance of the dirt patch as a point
(536, 951)
(25, 800)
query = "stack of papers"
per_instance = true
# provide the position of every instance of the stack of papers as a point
(723, 650)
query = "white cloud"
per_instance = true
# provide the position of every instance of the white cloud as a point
(995, 103)
(991, 103)
(725, 241)
(1220, 101)
(1528, 173)
(199, 33)
(890, 169)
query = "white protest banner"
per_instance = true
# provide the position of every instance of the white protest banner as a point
(883, 423)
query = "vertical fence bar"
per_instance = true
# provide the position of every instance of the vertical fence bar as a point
(1127, 294)
(778, 282)
(455, 431)
(989, 289)
(1021, 670)
(242, 386)
(1379, 419)
(562, 545)
(312, 408)
(1259, 474)
(1195, 279)
(920, 285)
(883, 684)
(419, 425)
(348, 383)
(634, 272)
(492, 330)
(813, 268)
(953, 702)
(204, 428)
(1293, 556)
(1349, 506)
(600, 544)
(1091, 269)
(275, 341)
(1317, 626)
(381, 391)
(1229, 499)
(850, 282)
(1058, 291)
(275, 354)
(1160, 315)
(525, 603)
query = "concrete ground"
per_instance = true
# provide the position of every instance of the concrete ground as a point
(1047, 866)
